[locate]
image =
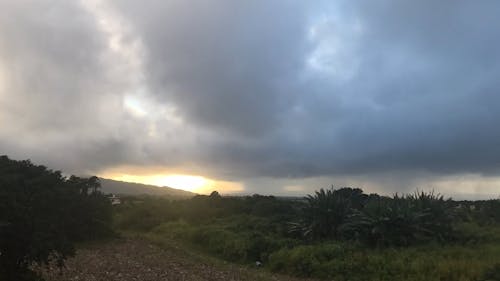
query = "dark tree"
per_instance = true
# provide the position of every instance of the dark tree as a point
(42, 215)
(215, 195)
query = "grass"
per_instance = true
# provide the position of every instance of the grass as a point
(345, 261)
(336, 260)
(468, 249)
(192, 254)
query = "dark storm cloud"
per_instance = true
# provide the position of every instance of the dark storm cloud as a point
(423, 98)
(431, 71)
(236, 90)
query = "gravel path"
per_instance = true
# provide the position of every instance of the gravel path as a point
(135, 259)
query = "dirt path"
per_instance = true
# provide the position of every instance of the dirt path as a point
(135, 259)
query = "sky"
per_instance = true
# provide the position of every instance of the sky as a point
(272, 97)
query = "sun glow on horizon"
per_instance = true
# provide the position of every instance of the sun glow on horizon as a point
(184, 182)
(192, 183)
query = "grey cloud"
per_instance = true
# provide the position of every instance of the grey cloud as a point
(60, 101)
(50, 54)
(423, 98)
(228, 65)
(284, 89)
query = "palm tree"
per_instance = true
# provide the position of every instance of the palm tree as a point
(403, 220)
(327, 210)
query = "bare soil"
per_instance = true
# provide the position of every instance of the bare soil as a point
(136, 259)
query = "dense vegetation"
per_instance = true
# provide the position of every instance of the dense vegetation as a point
(341, 234)
(43, 214)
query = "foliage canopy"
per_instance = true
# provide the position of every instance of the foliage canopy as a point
(43, 214)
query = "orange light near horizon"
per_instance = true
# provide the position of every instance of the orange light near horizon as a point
(160, 177)
(189, 183)
(185, 182)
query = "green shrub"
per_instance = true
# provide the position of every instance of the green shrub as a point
(487, 212)
(309, 260)
(231, 239)
(491, 274)
(349, 235)
(326, 211)
(402, 220)
(177, 230)
(141, 214)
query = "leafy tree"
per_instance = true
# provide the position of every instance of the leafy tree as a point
(42, 215)
(487, 212)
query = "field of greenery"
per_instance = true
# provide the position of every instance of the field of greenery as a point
(334, 234)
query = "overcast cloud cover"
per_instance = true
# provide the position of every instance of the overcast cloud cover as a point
(283, 96)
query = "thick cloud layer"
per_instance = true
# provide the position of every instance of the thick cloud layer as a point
(283, 90)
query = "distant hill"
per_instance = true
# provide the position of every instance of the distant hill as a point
(129, 188)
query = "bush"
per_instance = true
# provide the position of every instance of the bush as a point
(323, 260)
(379, 221)
(352, 236)
(488, 212)
(42, 215)
(404, 220)
(144, 213)
(326, 211)
(228, 238)
(491, 274)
